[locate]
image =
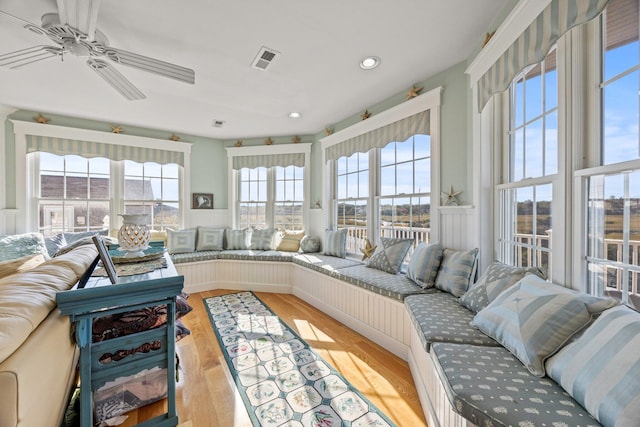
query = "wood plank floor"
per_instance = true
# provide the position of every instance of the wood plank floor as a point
(207, 396)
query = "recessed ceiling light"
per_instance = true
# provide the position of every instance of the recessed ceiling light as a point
(369, 63)
(295, 115)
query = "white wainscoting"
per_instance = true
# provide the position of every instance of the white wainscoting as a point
(214, 218)
(456, 227)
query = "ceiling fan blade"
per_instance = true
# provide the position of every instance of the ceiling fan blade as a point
(115, 79)
(27, 56)
(26, 24)
(80, 14)
(166, 69)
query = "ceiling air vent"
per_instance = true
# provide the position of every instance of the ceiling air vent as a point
(264, 58)
(217, 123)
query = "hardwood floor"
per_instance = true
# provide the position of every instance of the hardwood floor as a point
(207, 396)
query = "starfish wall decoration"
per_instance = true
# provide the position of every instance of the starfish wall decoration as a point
(368, 250)
(117, 129)
(42, 119)
(238, 143)
(365, 115)
(268, 141)
(174, 137)
(328, 131)
(451, 197)
(296, 139)
(413, 92)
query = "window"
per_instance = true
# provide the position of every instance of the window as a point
(352, 201)
(289, 197)
(78, 194)
(153, 189)
(613, 185)
(401, 184)
(405, 188)
(531, 165)
(74, 194)
(271, 197)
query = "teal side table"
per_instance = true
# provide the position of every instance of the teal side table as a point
(101, 298)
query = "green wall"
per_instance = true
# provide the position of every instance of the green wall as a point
(208, 171)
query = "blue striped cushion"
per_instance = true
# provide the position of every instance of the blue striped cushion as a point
(262, 239)
(181, 241)
(335, 243)
(533, 319)
(424, 264)
(238, 239)
(389, 254)
(456, 271)
(601, 369)
(210, 239)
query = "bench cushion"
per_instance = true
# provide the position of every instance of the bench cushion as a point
(326, 264)
(437, 317)
(489, 386)
(194, 256)
(395, 286)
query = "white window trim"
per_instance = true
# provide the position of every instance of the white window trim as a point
(260, 150)
(431, 101)
(26, 202)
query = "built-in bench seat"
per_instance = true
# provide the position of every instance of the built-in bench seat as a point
(438, 317)
(490, 387)
(395, 286)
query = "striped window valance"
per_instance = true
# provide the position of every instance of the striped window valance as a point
(378, 138)
(88, 149)
(535, 42)
(268, 160)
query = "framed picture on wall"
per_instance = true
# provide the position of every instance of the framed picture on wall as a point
(202, 201)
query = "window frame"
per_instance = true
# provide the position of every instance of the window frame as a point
(268, 150)
(27, 176)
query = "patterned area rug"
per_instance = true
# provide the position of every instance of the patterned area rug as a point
(282, 381)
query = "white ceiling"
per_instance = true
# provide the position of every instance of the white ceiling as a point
(316, 74)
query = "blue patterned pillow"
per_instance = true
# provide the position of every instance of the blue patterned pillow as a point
(55, 243)
(182, 241)
(262, 239)
(456, 271)
(533, 319)
(210, 239)
(389, 254)
(335, 243)
(310, 244)
(495, 279)
(424, 264)
(600, 369)
(238, 239)
(20, 245)
(77, 235)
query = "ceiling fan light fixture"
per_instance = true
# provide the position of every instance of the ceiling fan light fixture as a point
(369, 62)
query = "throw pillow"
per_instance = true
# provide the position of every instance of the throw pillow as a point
(456, 270)
(290, 241)
(310, 244)
(335, 243)
(17, 265)
(181, 241)
(238, 239)
(19, 245)
(54, 243)
(600, 369)
(424, 264)
(533, 319)
(210, 239)
(495, 279)
(389, 254)
(262, 239)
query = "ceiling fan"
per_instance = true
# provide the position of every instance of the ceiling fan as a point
(74, 31)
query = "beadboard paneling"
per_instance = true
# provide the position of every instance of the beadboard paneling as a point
(456, 228)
